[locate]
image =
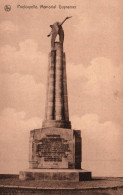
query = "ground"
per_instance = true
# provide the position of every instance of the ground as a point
(10, 184)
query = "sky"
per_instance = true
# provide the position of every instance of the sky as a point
(93, 45)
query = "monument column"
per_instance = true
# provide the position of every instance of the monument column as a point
(56, 112)
(65, 94)
(50, 102)
(59, 98)
(56, 149)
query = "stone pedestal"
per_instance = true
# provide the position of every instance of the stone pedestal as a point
(55, 154)
(52, 148)
(55, 174)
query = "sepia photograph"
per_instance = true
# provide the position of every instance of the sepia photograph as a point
(61, 97)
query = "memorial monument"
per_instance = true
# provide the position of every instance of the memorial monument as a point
(55, 151)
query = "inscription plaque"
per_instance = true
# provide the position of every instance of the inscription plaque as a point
(52, 148)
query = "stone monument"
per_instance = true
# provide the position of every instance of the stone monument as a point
(56, 149)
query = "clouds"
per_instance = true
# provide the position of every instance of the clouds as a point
(8, 27)
(100, 77)
(100, 90)
(23, 77)
(14, 139)
(23, 93)
(101, 145)
(26, 59)
(101, 140)
(104, 76)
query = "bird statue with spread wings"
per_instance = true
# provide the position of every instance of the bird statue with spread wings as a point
(57, 30)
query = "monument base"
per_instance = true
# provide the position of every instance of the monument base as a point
(55, 148)
(55, 174)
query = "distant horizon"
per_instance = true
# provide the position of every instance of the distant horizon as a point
(94, 77)
(97, 167)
